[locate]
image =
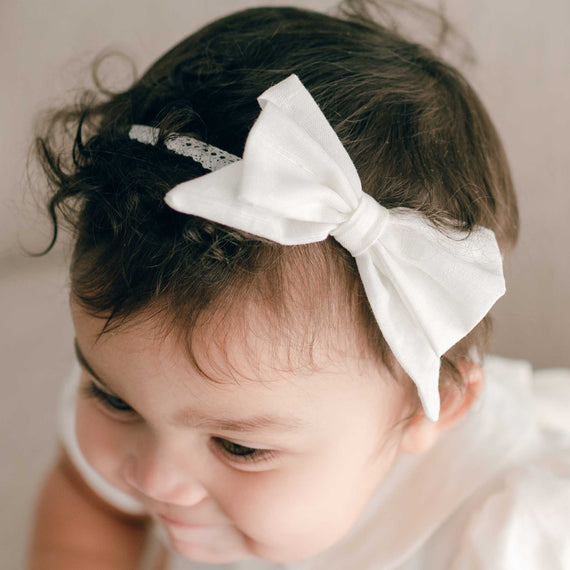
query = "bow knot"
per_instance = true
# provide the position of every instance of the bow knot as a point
(364, 226)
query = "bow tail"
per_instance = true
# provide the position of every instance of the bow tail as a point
(400, 329)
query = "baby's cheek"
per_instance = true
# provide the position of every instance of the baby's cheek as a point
(285, 516)
(102, 441)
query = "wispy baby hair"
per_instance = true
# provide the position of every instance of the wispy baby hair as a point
(414, 128)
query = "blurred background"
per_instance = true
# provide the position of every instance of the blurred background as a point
(522, 73)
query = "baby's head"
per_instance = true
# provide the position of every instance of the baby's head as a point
(176, 313)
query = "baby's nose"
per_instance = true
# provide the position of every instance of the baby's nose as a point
(164, 480)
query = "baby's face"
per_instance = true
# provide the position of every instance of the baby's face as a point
(275, 463)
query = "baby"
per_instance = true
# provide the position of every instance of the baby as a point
(288, 234)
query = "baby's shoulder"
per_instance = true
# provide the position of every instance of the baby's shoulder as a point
(521, 520)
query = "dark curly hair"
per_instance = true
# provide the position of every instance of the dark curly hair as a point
(416, 131)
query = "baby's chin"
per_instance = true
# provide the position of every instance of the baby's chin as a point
(207, 554)
(225, 549)
(225, 545)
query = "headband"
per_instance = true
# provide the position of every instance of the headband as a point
(296, 184)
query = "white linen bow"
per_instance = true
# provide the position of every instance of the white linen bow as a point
(296, 184)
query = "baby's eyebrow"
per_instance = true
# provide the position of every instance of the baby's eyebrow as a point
(82, 360)
(194, 418)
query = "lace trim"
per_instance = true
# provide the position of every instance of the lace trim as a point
(210, 157)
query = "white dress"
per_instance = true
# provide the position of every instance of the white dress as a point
(493, 494)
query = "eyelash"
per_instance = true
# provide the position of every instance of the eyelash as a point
(241, 453)
(234, 451)
(112, 403)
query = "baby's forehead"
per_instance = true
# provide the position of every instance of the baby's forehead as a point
(255, 344)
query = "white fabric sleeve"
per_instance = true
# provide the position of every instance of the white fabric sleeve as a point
(524, 523)
(68, 438)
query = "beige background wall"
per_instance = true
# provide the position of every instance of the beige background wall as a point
(523, 75)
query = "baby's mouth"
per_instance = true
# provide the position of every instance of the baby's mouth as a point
(175, 522)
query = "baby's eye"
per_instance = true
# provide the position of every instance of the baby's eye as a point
(112, 403)
(241, 453)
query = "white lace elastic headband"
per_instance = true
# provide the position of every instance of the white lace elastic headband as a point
(296, 184)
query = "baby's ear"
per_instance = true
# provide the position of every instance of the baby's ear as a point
(421, 433)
